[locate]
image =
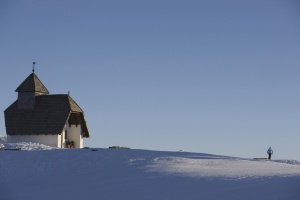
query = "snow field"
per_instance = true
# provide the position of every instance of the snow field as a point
(223, 167)
(141, 174)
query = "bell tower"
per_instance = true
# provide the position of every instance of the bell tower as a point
(29, 89)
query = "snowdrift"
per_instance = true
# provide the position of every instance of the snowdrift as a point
(27, 146)
(3, 139)
(95, 173)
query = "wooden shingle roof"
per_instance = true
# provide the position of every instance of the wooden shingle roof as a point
(49, 116)
(32, 84)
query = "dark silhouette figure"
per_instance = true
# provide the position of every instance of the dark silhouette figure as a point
(270, 152)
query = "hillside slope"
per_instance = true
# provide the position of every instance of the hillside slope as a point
(112, 174)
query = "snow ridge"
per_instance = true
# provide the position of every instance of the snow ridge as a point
(27, 146)
(96, 173)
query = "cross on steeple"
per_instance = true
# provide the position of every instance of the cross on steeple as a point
(33, 67)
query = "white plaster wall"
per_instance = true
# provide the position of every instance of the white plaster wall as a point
(50, 140)
(81, 141)
(74, 134)
(59, 141)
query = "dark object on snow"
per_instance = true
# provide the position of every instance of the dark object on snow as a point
(94, 149)
(118, 147)
(270, 152)
(15, 149)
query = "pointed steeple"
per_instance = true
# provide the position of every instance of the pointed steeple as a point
(29, 89)
(32, 84)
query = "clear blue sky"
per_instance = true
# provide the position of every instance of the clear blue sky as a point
(217, 77)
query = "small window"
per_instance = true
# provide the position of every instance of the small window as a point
(66, 134)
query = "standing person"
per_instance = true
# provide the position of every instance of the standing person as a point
(270, 152)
